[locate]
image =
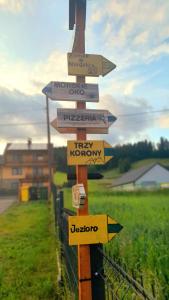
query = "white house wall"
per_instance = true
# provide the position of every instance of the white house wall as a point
(124, 187)
(157, 174)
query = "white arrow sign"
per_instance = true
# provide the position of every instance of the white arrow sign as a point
(95, 121)
(70, 91)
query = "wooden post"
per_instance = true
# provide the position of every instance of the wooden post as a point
(84, 267)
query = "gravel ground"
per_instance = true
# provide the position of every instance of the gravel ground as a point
(6, 202)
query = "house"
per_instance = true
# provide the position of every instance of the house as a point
(25, 166)
(1, 169)
(150, 176)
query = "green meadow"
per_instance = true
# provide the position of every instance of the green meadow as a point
(142, 246)
(28, 265)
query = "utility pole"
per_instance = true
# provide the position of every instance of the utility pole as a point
(49, 149)
(84, 265)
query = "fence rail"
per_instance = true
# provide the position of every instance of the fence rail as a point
(109, 280)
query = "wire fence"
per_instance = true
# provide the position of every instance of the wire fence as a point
(119, 284)
(110, 281)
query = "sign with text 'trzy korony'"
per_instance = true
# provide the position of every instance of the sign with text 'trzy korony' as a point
(90, 152)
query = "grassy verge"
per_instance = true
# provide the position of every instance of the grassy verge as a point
(28, 267)
(143, 243)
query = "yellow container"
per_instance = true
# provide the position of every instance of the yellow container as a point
(24, 194)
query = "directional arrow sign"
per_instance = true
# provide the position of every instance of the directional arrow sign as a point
(92, 229)
(89, 65)
(90, 152)
(84, 118)
(54, 124)
(69, 91)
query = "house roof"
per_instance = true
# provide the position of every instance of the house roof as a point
(132, 176)
(25, 146)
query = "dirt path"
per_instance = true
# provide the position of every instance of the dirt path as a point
(6, 202)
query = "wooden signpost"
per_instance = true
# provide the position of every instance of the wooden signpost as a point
(84, 229)
(89, 65)
(90, 152)
(72, 91)
(92, 229)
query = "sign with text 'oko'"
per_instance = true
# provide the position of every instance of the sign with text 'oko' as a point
(90, 152)
(72, 91)
(92, 229)
(89, 65)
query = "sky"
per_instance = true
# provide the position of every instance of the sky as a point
(34, 41)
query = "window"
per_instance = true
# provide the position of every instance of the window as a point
(37, 156)
(37, 171)
(17, 157)
(14, 185)
(16, 171)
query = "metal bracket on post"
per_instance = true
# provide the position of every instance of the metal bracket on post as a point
(98, 285)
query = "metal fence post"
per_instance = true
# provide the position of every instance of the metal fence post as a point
(54, 193)
(97, 272)
(60, 215)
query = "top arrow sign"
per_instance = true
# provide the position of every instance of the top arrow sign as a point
(89, 65)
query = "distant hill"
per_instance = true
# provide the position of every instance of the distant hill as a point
(125, 156)
(114, 173)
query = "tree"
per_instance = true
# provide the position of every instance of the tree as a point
(124, 165)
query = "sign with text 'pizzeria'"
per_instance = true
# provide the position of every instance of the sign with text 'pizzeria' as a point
(72, 91)
(89, 65)
(92, 229)
(84, 118)
(90, 152)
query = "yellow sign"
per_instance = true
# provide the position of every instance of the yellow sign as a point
(92, 229)
(89, 65)
(90, 152)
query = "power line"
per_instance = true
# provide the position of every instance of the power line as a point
(120, 116)
(22, 124)
(144, 112)
(24, 110)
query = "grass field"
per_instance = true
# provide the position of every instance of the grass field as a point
(143, 243)
(28, 267)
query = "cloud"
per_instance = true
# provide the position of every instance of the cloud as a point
(24, 76)
(130, 87)
(28, 114)
(161, 49)
(163, 122)
(130, 125)
(23, 116)
(141, 38)
(13, 6)
(133, 31)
